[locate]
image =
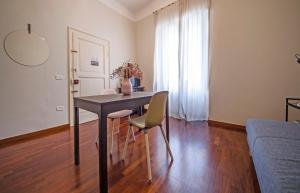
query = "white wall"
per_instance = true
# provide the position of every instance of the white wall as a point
(253, 68)
(145, 49)
(29, 95)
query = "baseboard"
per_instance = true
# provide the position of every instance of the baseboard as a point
(227, 125)
(33, 135)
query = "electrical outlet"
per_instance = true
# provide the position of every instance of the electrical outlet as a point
(59, 77)
(60, 108)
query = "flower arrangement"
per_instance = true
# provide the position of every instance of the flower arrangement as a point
(127, 70)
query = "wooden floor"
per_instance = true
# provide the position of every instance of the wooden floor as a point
(207, 160)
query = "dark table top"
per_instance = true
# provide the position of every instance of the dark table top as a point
(104, 99)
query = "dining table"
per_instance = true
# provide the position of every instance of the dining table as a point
(102, 105)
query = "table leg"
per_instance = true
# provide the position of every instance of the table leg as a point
(76, 136)
(103, 178)
(141, 110)
(167, 121)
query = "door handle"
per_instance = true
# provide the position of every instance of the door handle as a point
(74, 91)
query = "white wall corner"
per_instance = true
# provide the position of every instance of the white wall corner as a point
(113, 4)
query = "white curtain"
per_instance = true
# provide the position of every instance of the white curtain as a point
(166, 68)
(181, 57)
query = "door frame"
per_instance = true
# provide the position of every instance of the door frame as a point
(71, 69)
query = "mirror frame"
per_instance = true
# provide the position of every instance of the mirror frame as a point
(29, 33)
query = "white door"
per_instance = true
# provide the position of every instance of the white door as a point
(89, 68)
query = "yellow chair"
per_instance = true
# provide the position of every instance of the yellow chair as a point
(152, 118)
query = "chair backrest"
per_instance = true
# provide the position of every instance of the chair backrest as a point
(156, 110)
(108, 91)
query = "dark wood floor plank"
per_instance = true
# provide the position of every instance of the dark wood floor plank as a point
(206, 160)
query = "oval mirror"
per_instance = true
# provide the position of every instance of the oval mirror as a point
(25, 48)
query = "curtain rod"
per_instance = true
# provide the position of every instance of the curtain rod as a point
(164, 7)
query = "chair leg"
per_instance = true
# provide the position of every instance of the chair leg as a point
(112, 136)
(132, 133)
(126, 142)
(119, 124)
(148, 157)
(131, 128)
(97, 142)
(166, 141)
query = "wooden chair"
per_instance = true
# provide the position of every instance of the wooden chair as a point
(153, 117)
(116, 116)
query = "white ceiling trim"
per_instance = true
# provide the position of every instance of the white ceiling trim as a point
(151, 7)
(118, 7)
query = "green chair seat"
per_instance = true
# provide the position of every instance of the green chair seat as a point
(138, 122)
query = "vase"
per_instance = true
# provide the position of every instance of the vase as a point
(126, 86)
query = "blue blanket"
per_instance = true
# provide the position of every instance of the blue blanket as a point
(275, 149)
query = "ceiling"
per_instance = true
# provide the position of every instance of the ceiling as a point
(136, 10)
(134, 5)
